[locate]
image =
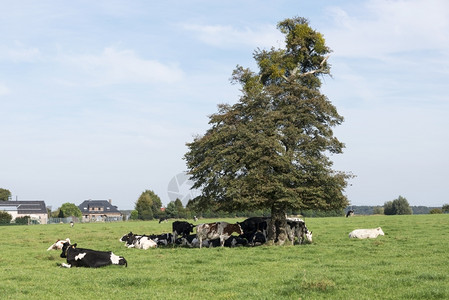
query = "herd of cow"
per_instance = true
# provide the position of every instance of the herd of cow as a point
(251, 232)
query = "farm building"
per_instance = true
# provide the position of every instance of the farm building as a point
(99, 210)
(36, 209)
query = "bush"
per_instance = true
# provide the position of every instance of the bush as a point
(436, 211)
(22, 220)
(5, 218)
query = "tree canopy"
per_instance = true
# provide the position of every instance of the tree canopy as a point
(4, 194)
(270, 149)
(69, 210)
(398, 206)
(148, 206)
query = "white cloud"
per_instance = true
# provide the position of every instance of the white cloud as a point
(114, 66)
(19, 53)
(4, 90)
(390, 26)
(264, 36)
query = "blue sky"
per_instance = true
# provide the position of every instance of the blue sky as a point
(99, 98)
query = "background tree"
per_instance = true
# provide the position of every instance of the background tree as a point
(171, 210)
(5, 218)
(388, 208)
(445, 208)
(269, 150)
(144, 207)
(378, 210)
(148, 205)
(68, 210)
(436, 211)
(4, 194)
(401, 206)
(134, 215)
(398, 206)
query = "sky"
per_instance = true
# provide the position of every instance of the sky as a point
(99, 98)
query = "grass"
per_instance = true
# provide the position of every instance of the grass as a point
(409, 262)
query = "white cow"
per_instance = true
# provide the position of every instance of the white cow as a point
(58, 244)
(366, 233)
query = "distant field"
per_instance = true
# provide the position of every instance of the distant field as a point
(410, 262)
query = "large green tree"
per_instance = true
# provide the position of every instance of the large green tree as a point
(148, 205)
(399, 206)
(4, 194)
(270, 149)
(69, 210)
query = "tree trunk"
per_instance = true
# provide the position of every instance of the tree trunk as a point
(277, 233)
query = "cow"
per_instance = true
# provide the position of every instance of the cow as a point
(350, 213)
(163, 239)
(138, 241)
(88, 258)
(366, 233)
(163, 219)
(254, 224)
(182, 228)
(222, 230)
(191, 241)
(58, 244)
(141, 242)
(296, 227)
(235, 241)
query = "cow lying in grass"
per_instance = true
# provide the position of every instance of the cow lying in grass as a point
(366, 233)
(78, 257)
(138, 241)
(58, 244)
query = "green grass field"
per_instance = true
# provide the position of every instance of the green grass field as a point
(410, 262)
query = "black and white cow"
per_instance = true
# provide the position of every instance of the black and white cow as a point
(138, 241)
(77, 257)
(163, 239)
(350, 213)
(222, 230)
(182, 228)
(256, 238)
(235, 241)
(296, 227)
(254, 224)
(58, 244)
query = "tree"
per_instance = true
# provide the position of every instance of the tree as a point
(5, 194)
(398, 206)
(445, 208)
(434, 211)
(269, 150)
(5, 218)
(148, 205)
(68, 210)
(171, 210)
(388, 208)
(401, 206)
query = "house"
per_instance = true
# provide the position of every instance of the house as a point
(36, 209)
(99, 210)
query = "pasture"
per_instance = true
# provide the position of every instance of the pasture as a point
(410, 262)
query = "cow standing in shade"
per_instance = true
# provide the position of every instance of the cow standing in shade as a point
(78, 257)
(222, 230)
(181, 228)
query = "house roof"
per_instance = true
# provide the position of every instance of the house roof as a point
(24, 207)
(105, 204)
